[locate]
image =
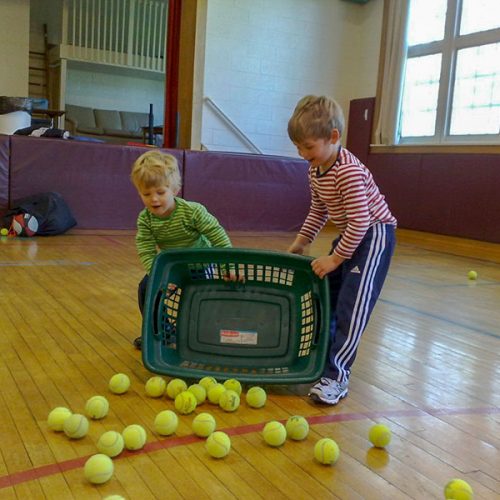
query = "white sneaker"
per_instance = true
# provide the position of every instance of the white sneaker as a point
(328, 391)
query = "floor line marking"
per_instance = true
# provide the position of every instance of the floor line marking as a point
(441, 318)
(15, 478)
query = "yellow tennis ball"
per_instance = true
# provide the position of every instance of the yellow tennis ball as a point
(111, 443)
(4, 231)
(229, 400)
(76, 426)
(379, 435)
(207, 382)
(215, 392)
(458, 489)
(114, 497)
(199, 393)
(57, 417)
(274, 433)
(97, 407)
(98, 468)
(166, 423)
(472, 275)
(218, 444)
(204, 424)
(326, 451)
(155, 387)
(233, 385)
(175, 387)
(134, 437)
(297, 428)
(256, 397)
(119, 383)
(185, 402)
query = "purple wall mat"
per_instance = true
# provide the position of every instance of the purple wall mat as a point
(249, 192)
(94, 179)
(359, 137)
(445, 193)
(4, 172)
(452, 194)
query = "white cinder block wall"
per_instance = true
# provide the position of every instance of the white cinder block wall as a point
(262, 56)
(14, 47)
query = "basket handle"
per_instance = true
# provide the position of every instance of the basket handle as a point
(156, 306)
(317, 319)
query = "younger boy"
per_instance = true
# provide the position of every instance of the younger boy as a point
(168, 221)
(344, 191)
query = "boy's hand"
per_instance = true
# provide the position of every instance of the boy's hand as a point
(298, 245)
(326, 264)
(232, 276)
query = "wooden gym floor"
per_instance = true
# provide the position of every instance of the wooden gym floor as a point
(428, 367)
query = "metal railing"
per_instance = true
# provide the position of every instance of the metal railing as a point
(129, 33)
(231, 125)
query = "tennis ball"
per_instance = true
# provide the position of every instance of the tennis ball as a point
(76, 426)
(218, 444)
(119, 383)
(204, 424)
(256, 397)
(98, 468)
(458, 489)
(166, 423)
(155, 387)
(229, 400)
(379, 435)
(57, 417)
(207, 382)
(199, 393)
(134, 437)
(215, 392)
(111, 443)
(274, 433)
(326, 451)
(297, 428)
(4, 231)
(472, 275)
(175, 387)
(233, 385)
(114, 497)
(185, 402)
(97, 407)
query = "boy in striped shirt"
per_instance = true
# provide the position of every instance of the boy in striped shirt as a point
(344, 191)
(168, 221)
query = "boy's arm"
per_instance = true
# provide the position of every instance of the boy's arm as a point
(209, 226)
(145, 244)
(314, 222)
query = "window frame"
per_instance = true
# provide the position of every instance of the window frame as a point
(448, 47)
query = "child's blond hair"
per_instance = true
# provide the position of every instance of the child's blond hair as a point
(315, 117)
(155, 168)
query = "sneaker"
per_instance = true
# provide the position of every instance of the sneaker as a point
(138, 343)
(328, 391)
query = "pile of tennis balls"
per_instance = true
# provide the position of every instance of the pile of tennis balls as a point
(99, 468)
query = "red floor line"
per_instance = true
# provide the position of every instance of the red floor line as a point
(10, 480)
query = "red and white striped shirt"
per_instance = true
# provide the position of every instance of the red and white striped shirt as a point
(347, 195)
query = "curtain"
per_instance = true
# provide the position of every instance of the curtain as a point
(394, 57)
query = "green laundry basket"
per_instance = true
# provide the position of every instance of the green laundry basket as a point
(270, 327)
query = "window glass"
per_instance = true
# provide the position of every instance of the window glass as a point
(479, 15)
(476, 98)
(420, 96)
(426, 21)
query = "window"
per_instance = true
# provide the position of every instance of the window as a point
(450, 82)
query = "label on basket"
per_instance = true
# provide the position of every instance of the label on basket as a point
(247, 337)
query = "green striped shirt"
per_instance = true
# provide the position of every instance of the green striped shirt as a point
(190, 225)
